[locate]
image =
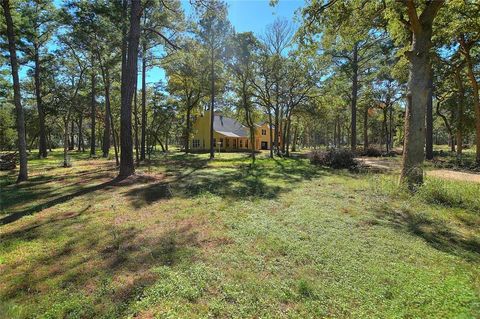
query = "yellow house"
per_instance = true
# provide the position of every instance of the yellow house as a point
(228, 134)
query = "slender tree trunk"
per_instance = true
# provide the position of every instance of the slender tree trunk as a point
(187, 130)
(476, 98)
(270, 124)
(65, 142)
(42, 145)
(20, 119)
(429, 121)
(288, 135)
(80, 132)
(108, 115)
(144, 102)
(129, 78)
(365, 128)
(353, 141)
(459, 113)
(71, 145)
(212, 106)
(135, 126)
(93, 110)
(295, 138)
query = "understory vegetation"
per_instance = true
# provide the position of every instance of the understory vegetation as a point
(190, 238)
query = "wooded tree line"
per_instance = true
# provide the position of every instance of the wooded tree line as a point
(385, 73)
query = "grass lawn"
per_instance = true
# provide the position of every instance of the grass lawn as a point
(189, 238)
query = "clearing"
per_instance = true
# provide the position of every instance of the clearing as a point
(189, 238)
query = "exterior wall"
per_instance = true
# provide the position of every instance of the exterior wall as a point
(259, 137)
(200, 138)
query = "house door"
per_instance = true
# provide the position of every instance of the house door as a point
(264, 145)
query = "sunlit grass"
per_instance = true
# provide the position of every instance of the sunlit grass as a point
(193, 238)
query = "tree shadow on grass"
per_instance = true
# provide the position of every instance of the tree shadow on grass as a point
(56, 201)
(263, 179)
(436, 233)
(81, 262)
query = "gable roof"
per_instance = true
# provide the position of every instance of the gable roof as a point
(229, 127)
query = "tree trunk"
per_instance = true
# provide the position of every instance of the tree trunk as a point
(476, 97)
(108, 115)
(429, 121)
(93, 110)
(71, 145)
(65, 142)
(459, 115)
(353, 129)
(129, 78)
(81, 146)
(135, 126)
(42, 145)
(212, 106)
(144, 103)
(270, 124)
(295, 138)
(365, 128)
(20, 119)
(417, 96)
(187, 130)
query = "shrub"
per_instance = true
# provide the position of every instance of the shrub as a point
(372, 152)
(334, 158)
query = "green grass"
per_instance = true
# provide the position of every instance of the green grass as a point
(192, 238)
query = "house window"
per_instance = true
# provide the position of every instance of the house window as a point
(196, 143)
(234, 143)
(264, 132)
(241, 144)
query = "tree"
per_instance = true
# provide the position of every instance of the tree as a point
(185, 73)
(39, 25)
(214, 30)
(129, 78)
(20, 120)
(244, 47)
(420, 29)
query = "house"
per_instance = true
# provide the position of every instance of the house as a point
(228, 134)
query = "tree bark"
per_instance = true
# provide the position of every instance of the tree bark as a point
(93, 110)
(353, 136)
(187, 130)
(270, 124)
(42, 145)
(108, 115)
(212, 106)
(129, 77)
(144, 103)
(20, 118)
(135, 126)
(459, 115)
(429, 121)
(71, 145)
(417, 95)
(365, 128)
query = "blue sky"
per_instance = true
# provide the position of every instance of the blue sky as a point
(246, 15)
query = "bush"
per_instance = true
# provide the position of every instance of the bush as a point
(372, 152)
(334, 158)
